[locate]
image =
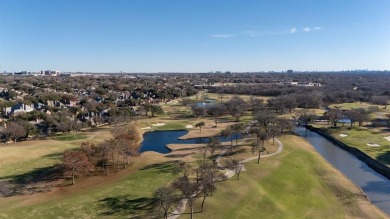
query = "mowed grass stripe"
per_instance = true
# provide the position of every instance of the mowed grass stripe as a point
(292, 185)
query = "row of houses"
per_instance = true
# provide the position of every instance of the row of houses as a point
(303, 84)
(21, 108)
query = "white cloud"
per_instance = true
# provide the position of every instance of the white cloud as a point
(222, 35)
(258, 32)
(293, 30)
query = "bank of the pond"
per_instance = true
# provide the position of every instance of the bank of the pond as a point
(158, 140)
(371, 162)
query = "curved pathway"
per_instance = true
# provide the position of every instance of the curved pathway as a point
(181, 207)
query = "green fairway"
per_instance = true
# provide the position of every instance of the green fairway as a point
(170, 126)
(70, 137)
(129, 197)
(296, 184)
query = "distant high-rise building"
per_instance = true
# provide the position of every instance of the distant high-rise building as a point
(290, 71)
(52, 73)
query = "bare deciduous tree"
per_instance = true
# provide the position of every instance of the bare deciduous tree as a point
(212, 145)
(207, 188)
(236, 166)
(76, 163)
(188, 189)
(14, 131)
(165, 199)
(236, 107)
(215, 111)
(261, 137)
(305, 115)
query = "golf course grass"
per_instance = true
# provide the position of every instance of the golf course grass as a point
(299, 183)
(29, 156)
(128, 197)
(359, 137)
(70, 137)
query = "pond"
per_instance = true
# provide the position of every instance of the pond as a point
(205, 103)
(376, 186)
(345, 120)
(158, 140)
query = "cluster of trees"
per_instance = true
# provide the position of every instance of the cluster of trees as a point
(106, 156)
(194, 182)
(291, 101)
(265, 127)
(335, 116)
(152, 108)
(336, 88)
(235, 107)
(59, 121)
(14, 130)
(39, 124)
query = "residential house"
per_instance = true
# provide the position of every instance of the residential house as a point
(18, 108)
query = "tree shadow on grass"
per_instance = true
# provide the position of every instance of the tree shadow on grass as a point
(228, 153)
(125, 206)
(235, 152)
(37, 180)
(178, 155)
(165, 167)
(55, 156)
(384, 158)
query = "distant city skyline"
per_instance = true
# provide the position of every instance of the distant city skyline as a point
(194, 35)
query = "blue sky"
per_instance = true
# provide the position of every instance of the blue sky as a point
(194, 35)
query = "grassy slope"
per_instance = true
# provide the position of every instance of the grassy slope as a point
(129, 197)
(296, 184)
(27, 156)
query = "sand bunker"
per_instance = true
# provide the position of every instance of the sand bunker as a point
(173, 102)
(158, 124)
(387, 138)
(147, 128)
(191, 126)
(373, 145)
(343, 135)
